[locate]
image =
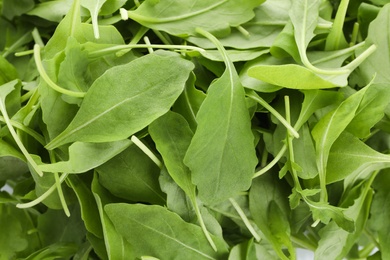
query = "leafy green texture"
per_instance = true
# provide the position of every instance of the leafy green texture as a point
(289, 76)
(135, 88)
(222, 137)
(166, 15)
(207, 129)
(176, 236)
(377, 65)
(270, 212)
(126, 178)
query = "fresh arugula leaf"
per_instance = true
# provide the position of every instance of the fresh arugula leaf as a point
(169, 230)
(168, 14)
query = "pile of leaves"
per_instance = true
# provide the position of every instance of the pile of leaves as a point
(181, 129)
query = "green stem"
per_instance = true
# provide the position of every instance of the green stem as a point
(372, 237)
(146, 150)
(116, 48)
(262, 102)
(290, 147)
(46, 78)
(201, 222)
(245, 219)
(272, 163)
(58, 186)
(43, 196)
(25, 129)
(16, 138)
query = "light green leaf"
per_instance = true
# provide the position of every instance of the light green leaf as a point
(140, 226)
(304, 16)
(378, 64)
(270, 18)
(380, 211)
(223, 142)
(356, 158)
(86, 156)
(329, 128)
(183, 17)
(189, 102)
(134, 94)
(172, 136)
(52, 10)
(335, 243)
(289, 76)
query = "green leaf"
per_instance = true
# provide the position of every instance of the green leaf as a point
(289, 76)
(223, 142)
(13, 238)
(335, 243)
(243, 251)
(140, 87)
(67, 229)
(356, 157)
(138, 224)
(261, 31)
(371, 110)
(89, 210)
(269, 208)
(183, 17)
(12, 162)
(304, 16)
(380, 211)
(7, 71)
(172, 136)
(189, 102)
(329, 128)
(377, 65)
(132, 175)
(51, 10)
(86, 156)
(116, 246)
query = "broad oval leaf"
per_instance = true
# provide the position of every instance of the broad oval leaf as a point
(183, 17)
(127, 98)
(146, 226)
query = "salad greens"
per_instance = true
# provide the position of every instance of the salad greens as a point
(166, 129)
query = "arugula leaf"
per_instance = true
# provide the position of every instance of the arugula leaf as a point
(174, 234)
(94, 123)
(183, 17)
(222, 137)
(376, 66)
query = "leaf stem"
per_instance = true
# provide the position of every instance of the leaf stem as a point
(116, 48)
(272, 163)
(25, 129)
(146, 150)
(46, 78)
(303, 244)
(43, 196)
(58, 186)
(245, 219)
(262, 102)
(16, 138)
(201, 222)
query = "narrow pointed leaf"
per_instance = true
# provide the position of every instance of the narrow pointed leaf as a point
(221, 155)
